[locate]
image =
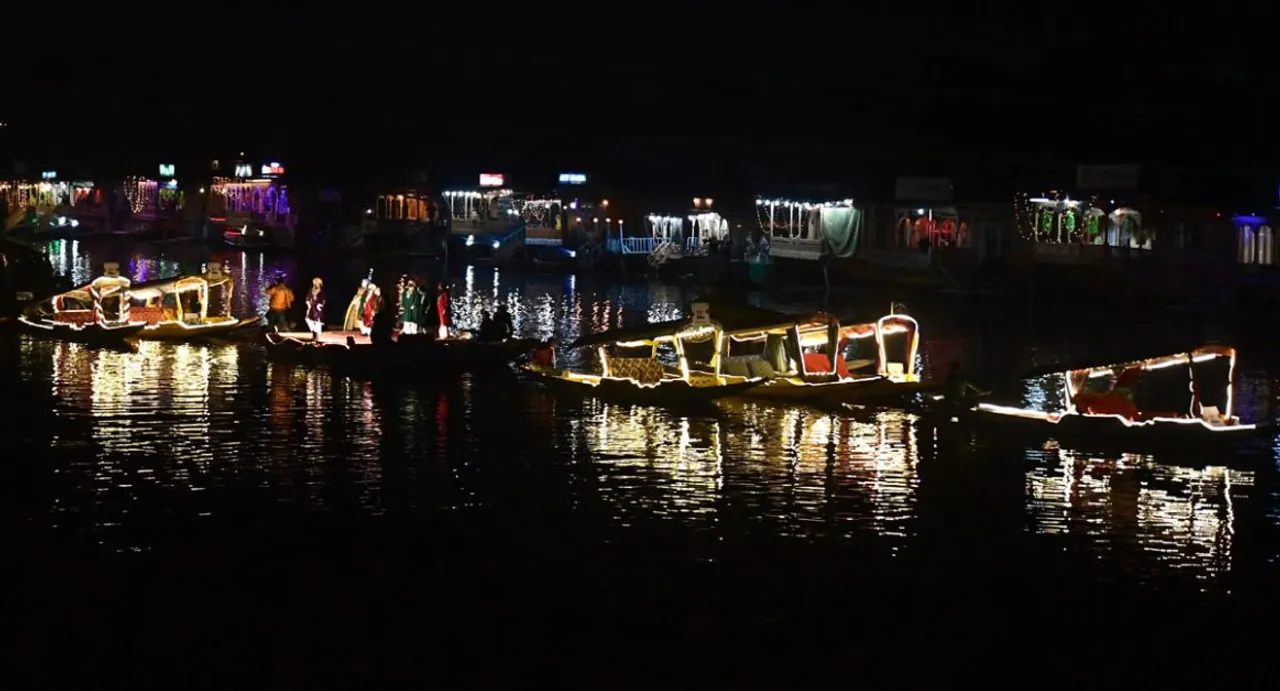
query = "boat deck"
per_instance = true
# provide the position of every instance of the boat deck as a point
(329, 337)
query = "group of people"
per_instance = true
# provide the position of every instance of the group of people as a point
(415, 310)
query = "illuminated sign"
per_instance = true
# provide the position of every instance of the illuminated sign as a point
(272, 168)
(244, 170)
(49, 175)
(492, 179)
(166, 170)
(573, 178)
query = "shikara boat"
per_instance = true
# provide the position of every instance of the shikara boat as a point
(95, 314)
(632, 371)
(353, 353)
(186, 307)
(804, 359)
(1101, 406)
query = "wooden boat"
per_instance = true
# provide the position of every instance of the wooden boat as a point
(632, 372)
(186, 307)
(354, 353)
(1101, 410)
(803, 359)
(96, 314)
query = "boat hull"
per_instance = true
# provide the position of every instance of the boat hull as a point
(787, 390)
(409, 356)
(672, 392)
(88, 334)
(175, 331)
(1105, 432)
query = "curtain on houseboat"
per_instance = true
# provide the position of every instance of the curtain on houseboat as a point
(841, 227)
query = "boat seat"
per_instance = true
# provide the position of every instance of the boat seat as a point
(150, 315)
(817, 363)
(737, 368)
(644, 370)
(75, 317)
(762, 369)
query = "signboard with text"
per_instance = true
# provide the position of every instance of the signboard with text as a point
(244, 170)
(273, 168)
(573, 178)
(166, 170)
(49, 175)
(492, 179)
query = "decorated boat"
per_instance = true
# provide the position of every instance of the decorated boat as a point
(1116, 403)
(186, 307)
(806, 359)
(354, 353)
(633, 367)
(96, 314)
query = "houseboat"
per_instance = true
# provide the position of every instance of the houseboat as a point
(667, 364)
(48, 209)
(407, 221)
(695, 242)
(253, 207)
(96, 314)
(1116, 403)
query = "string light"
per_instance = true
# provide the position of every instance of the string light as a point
(790, 218)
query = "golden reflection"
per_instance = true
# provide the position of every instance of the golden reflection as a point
(818, 473)
(1180, 518)
(656, 463)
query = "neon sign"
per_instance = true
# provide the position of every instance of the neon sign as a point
(244, 170)
(272, 168)
(49, 175)
(492, 179)
(166, 170)
(573, 178)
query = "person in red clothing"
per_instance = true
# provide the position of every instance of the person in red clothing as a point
(443, 309)
(372, 304)
(544, 356)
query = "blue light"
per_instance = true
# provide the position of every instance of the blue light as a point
(573, 178)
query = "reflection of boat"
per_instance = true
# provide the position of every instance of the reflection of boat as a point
(632, 371)
(804, 358)
(186, 307)
(97, 314)
(353, 353)
(1101, 406)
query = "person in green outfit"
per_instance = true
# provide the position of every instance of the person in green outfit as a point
(960, 390)
(410, 308)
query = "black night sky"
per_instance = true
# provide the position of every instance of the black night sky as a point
(725, 99)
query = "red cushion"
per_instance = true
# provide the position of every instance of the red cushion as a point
(1128, 377)
(1106, 404)
(817, 363)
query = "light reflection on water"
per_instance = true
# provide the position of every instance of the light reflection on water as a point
(196, 427)
(1174, 517)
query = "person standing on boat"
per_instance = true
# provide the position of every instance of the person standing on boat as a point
(444, 309)
(281, 301)
(315, 306)
(372, 305)
(503, 327)
(960, 390)
(410, 308)
(355, 310)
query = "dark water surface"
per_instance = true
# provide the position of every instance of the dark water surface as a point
(203, 504)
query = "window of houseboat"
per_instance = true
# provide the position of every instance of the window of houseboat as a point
(1254, 241)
